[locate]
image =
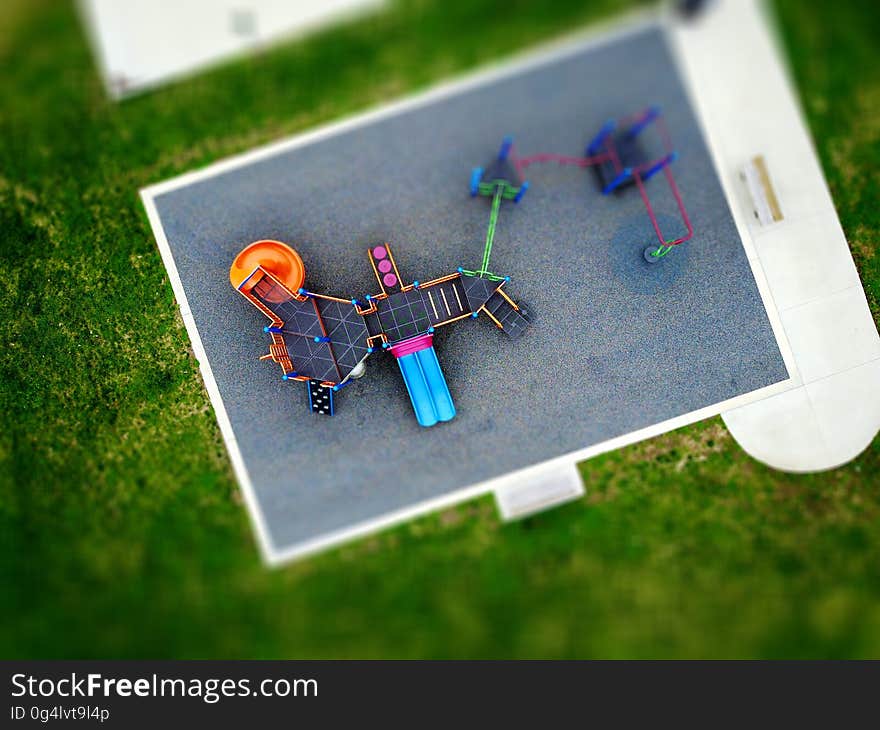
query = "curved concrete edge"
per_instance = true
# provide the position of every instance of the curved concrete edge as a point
(827, 335)
(814, 427)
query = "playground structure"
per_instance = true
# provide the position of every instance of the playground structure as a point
(324, 341)
(619, 160)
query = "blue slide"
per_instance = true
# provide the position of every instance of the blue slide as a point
(427, 387)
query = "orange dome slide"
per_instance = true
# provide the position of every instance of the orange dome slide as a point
(277, 258)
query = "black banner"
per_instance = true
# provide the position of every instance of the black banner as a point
(134, 694)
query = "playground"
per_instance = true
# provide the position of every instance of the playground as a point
(640, 309)
(120, 509)
(320, 340)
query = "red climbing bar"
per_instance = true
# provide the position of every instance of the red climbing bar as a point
(561, 159)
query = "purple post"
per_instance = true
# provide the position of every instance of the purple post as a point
(594, 146)
(659, 165)
(649, 116)
(506, 144)
(625, 173)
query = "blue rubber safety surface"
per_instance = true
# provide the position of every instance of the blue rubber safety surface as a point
(616, 344)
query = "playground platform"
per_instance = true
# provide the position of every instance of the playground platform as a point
(615, 344)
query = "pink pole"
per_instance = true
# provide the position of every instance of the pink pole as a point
(681, 209)
(561, 159)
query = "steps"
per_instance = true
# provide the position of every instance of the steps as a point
(511, 320)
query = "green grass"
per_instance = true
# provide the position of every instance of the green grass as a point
(122, 532)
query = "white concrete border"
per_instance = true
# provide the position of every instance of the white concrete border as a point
(598, 35)
(749, 107)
